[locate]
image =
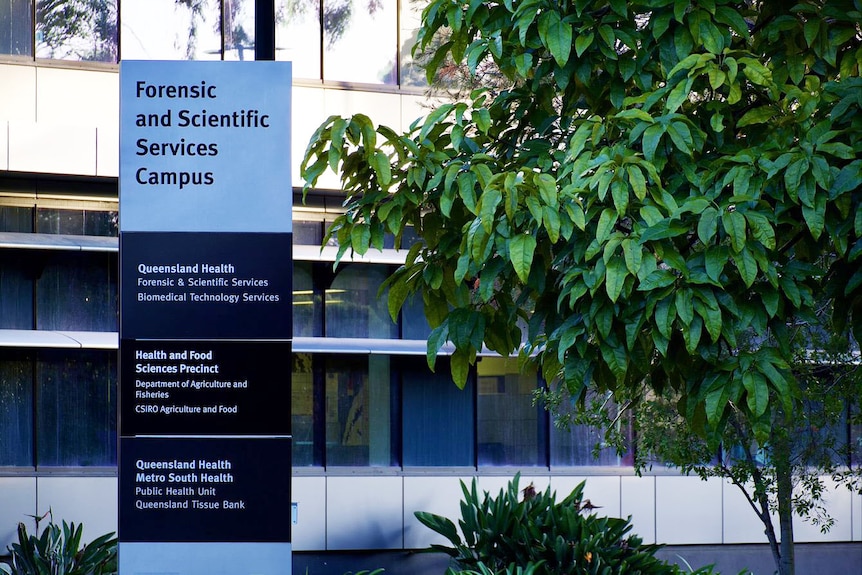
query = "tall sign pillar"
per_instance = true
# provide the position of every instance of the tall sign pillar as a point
(205, 318)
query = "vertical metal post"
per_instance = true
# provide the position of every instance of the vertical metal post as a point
(264, 29)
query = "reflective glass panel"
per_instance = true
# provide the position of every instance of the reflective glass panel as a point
(16, 219)
(15, 31)
(510, 428)
(353, 307)
(358, 411)
(78, 291)
(297, 36)
(302, 410)
(170, 29)
(16, 408)
(238, 29)
(360, 41)
(307, 302)
(437, 416)
(77, 408)
(17, 270)
(577, 445)
(84, 30)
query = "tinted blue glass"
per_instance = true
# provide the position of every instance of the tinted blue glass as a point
(77, 408)
(78, 291)
(437, 417)
(16, 408)
(15, 30)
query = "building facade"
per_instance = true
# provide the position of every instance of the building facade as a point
(377, 435)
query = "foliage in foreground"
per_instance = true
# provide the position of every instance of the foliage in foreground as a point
(58, 551)
(661, 191)
(535, 535)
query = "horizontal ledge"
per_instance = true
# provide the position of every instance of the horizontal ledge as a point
(330, 254)
(109, 340)
(58, 242)
(38, 338)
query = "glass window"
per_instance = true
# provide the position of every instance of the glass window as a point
(16, 408)
(76, 222)
(16, 219)
(307, 302)
(17, 270)
(576, 445)
(353, 307)
(429, 399)
(84, 30)
(302, 410)
(510, 428)
(360, 41)
(78, 291)
(414, 325)
(171, 30)
(307, 233)
(412, 72)
(77, 408)
(358, 411)
(238, 29)
(15, 31)
(297, 36)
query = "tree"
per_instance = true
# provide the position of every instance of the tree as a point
(664, 189)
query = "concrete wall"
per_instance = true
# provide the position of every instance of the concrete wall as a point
(62, 121)
(364, 512)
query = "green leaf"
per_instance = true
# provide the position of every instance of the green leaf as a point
(637, 181)
(434, 118)
(633, 254)
(757, 388)
(734, 225)
(582, 42)
(556, 36)
(650, 141)
(521, 250)
(815, 217)
(707, 225)
(714, 260)
(747, 267)
(488, 204)
(759, 115)
(607, 221)
(615, 277)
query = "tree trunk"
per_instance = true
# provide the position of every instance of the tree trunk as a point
(784, 484)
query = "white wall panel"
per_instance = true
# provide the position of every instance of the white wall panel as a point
(107, 152)
(494, 483)
(856, 512)
(88, 500)
(4, 145)
(17, 504)
(52, 149)
(603, 491)
(364, 513)
(688, 510)
(309, 532)
(438, 495)
(638, 500)
(838, 502)
(18, 93)
(741, 525)
(381, 107)
(83, 97)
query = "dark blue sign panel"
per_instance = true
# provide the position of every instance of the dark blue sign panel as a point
(204, 388)
(205, 286)
(205, 490)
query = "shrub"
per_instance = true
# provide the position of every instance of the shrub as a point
(535, 535)
(58, 551)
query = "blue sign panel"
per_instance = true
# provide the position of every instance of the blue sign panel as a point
(204, 146)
